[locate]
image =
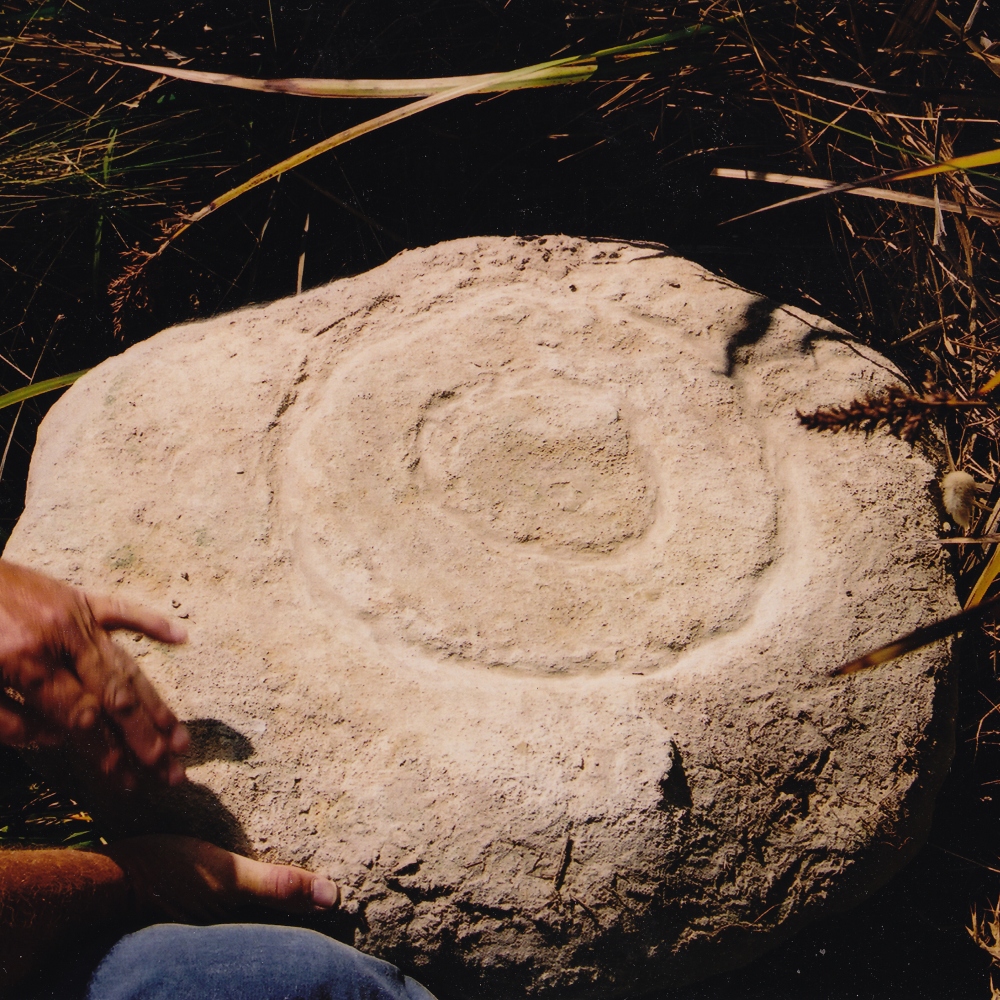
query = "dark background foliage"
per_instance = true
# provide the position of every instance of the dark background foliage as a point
(95, 157)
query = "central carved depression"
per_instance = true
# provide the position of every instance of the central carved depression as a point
(552, 464)
(489, 493)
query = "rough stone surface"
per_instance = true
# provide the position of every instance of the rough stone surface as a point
(514, 585)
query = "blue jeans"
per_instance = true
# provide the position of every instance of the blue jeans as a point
(244, 962)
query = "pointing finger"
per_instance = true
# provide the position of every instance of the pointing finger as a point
(112, 612)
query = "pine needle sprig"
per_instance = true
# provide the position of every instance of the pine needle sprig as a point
(904, 413)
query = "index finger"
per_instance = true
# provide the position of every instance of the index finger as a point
(113, 612)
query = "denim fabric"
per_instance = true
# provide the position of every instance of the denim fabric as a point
(244, 962)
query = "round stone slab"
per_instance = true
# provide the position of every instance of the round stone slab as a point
(514, 586)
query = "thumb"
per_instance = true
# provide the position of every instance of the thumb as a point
(284, 887)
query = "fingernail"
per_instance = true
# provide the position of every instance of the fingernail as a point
(324, 892)
(181, 739)
(178, 633)
(152, 755)
(124, 698)
(86, 719)
(177, 775)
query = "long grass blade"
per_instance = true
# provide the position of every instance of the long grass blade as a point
(988, 387)
(987, 158)
(966, 540)
(554, 72)
(38, 388)
(339, 139)
(957, 163)
(920, 637)
(850, 187)
(483, 83)
(985, 581)
(822, 184)
(569, 69)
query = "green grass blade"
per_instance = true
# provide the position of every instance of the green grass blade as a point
(356, 131)
(657, 42)
(565, 70)
(38, 388)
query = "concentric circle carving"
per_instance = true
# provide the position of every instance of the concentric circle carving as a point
(530, 496)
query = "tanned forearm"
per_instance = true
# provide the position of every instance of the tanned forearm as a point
(50, 896)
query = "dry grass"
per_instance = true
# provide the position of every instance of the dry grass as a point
(985, 931)
(69, 131)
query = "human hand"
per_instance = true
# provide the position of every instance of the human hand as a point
(183, 879)
(61, 674)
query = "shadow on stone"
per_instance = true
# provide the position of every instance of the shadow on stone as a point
(756, 321)
(674, 788)
(214, 740)
(191, 809)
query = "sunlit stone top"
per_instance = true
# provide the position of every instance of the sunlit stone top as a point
(514, 585)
